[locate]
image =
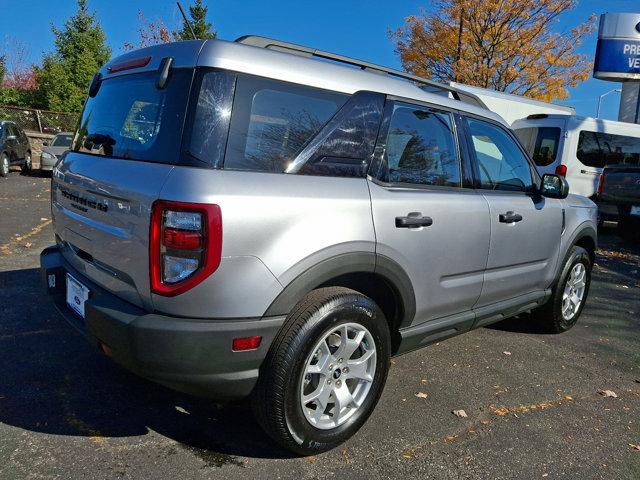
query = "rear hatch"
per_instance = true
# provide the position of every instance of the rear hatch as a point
(127, 143)
(620, 185)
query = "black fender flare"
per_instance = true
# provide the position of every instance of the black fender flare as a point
(346, 263)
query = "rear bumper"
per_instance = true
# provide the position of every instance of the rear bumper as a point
(190, 355)
(615, 211)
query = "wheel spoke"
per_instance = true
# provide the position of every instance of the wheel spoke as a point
(350, 345)
(323, 360)
(358, 367)
(320, 395)
(343, 399)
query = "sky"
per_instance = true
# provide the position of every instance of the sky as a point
(349, 27)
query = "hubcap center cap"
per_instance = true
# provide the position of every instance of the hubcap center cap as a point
(336, 373)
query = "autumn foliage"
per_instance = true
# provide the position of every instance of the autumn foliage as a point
(498, 44)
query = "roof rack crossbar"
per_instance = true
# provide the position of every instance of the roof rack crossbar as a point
(433, 87)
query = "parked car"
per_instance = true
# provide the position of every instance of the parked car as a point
(619, 195)
(577, 147)
(14, 148)
(256, 218)
(52, 151)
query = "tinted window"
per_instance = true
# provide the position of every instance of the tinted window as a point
(272, 122)
(345, 144)
(62, 140)
(501, 163)
(421, 147)
(597, 149)
(541, 143)
(130, 118)
(210, 125)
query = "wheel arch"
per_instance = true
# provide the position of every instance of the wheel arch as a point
(378, 277)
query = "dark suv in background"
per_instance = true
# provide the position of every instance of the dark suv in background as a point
(14, 148)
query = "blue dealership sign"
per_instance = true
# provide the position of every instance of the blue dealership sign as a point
(618, 51)
(617, 56)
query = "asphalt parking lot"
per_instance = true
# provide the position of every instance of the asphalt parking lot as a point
(532, 402)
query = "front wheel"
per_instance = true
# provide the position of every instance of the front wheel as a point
(562, 310)
(4, 165)
(325, 371)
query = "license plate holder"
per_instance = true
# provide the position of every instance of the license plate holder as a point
(77, 295)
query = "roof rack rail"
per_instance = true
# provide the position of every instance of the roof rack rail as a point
(427, 85)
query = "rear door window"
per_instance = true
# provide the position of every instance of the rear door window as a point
(132, 119)
(541, 143)
(272, 122)
(421, 147)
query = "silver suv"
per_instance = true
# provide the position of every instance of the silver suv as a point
(256, 218)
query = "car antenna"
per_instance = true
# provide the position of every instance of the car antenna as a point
(186, 20)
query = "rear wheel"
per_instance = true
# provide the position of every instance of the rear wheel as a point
(325, 371)
(4, 165)
(562, 310)
(26, 166)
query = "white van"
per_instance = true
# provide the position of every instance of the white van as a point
(577, 147)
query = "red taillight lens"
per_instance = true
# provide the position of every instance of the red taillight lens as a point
(185, 245)
(561, 170)
(600, 180)
(246, 343)
(181, 240)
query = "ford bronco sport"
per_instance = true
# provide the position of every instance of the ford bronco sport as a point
(259, 219)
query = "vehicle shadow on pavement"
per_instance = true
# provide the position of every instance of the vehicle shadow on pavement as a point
(54, 382)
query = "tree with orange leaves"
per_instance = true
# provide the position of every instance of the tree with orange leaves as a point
(499, 44)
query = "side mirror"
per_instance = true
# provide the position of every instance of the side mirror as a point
(45, 144)
(554, 186)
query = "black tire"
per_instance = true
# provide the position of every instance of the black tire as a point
(276, 398)
(27, 165)
(4, 165)
(549, 316)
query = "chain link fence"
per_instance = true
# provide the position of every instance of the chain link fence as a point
(41, 121)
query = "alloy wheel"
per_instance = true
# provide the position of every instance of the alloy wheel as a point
(338, 375)
(574, 291)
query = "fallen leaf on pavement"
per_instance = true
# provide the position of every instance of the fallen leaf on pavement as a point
(568, 397)
(608, 393)
(460, 413)
(507, 353)
(310, 459)
(634, 447)
(421, 395)
(28, 245)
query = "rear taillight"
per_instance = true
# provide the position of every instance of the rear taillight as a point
(185, 245)
(561, 170)
(600, 181)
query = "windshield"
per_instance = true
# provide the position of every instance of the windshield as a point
(131, 118)
(62, 140)
(541, 143)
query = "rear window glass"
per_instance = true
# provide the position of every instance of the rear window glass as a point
(597, 149)
(130, 118)
(541, 143)
(272, 122)
(62, 140)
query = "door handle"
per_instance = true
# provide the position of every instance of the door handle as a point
(510, 217)
(413, 221)
(589, 172)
